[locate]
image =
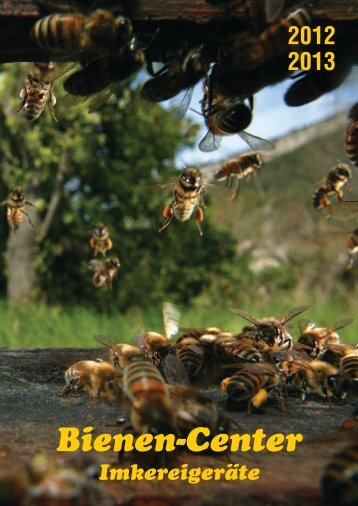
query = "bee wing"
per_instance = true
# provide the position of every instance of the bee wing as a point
(337, 326)
(246, 316)
(174, 371)
(256, 143)
(171, 318)
(99, 99)
(210, 142)
(344, 210)
(94, 265)
(180, 104)
(273, 9)
(104, 340)
(291, 313)
(60, 69)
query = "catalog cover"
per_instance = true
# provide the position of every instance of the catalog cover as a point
(179, 267)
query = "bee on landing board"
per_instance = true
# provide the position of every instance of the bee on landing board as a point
(245, 166)
(225, 116)
(98, 379)
(188, 196)
(87, 36)
(16, 203)
(179, 76)
(272, 331)
(38, 91)
(352, 136)
(151, 407)
(334, 183)
(104, 271)
(339, 479)
(100, 240)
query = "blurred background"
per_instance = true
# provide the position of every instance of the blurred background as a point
(267, 251)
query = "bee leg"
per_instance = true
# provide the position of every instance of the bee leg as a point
(168, 214)
(339, 194)
(235, 190)
(67, 390)
(303, 390)
(199, 217)
(28, 217)
(51, 104)
(202, 203)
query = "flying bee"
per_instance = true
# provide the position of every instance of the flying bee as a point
(245, 52)
(333, 183)
(339, 479)
(97, 82)
(352, 136)
(315, 339)
(104, 271)
(179, 77)
(352, 245)
(233, 170)
(38, 91)
(151, 407)
(156, 345)
(273, 331)
(251, 384)
(227, 117)
(100, 240)
(188, 195)
(120, 353)
(88, 36)
(16, 203)
(98, 379)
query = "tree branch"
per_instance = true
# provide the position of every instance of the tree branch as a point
(56, 195)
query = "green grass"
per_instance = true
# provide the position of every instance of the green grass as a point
(43, 326)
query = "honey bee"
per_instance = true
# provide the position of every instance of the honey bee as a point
(352, 136)
(104, 271)
(120, 354)
(315, 339)
(237, 350)
(16, 203)
(352, 245)
(272, 331)
(97, 82)
(191, 352)
(227, 117)
(98, 379)
(333, 184)
(157, 345)
(188, 195)
(194, 409)
(252, 384)
(88, 36)
(347, 378)
(339, 479)
(37, 91)
(100, 240)
(151, 407)
(179, 76)
(233, 170)
(245, 52)
(319, 378)
(314, 83)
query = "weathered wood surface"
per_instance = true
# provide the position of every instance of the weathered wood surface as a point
(174, 21)
(32, 411)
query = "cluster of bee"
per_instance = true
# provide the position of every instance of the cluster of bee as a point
(162, 380)
(104, 270)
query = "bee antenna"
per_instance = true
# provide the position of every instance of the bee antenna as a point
(197, 112)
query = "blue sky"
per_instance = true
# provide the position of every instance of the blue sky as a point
(273, 118)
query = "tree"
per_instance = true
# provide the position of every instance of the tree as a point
(105, 167)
